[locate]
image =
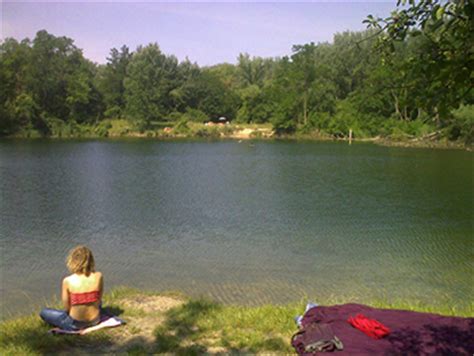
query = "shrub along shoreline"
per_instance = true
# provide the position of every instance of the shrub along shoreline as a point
(120, 128)
(172, 322)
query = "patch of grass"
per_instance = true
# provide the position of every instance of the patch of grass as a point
(28, 336)
(195, 327)
(201, 324)
(265, 328)
(134, 329)
(137, 350)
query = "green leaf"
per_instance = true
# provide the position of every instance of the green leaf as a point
(439, 13)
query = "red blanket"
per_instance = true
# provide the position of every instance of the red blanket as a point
(411, 333)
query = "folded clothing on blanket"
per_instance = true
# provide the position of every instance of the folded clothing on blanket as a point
(316, 337)
(370, 327)
(105, 322)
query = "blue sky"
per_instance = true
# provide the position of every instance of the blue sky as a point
(207, 33)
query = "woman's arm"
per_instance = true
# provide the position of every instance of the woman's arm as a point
(65, 295)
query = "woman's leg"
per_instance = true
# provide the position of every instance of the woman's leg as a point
(58, 318)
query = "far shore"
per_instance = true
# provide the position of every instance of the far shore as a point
(172, 322)
(239, 132)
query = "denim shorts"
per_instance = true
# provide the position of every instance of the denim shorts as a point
(63, 320)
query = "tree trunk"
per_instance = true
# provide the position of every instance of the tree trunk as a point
(305, 108)
(397, 109)
(436, 118)
(405, 114)
(418, 114)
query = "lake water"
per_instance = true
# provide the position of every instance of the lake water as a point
(247, 223)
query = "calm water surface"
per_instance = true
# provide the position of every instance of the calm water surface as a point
(241, 223)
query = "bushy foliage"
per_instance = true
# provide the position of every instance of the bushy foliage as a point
(407, 77)
(208, 132)
(102, 129)
(151, 76)
(461, 126)
(181, 127)
(344, 120)
(44, 78)
(281, 123)
(256, 105)
(195, 115)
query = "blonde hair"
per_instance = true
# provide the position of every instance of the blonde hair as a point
(80, 260)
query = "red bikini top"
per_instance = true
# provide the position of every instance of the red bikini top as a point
(84, 298)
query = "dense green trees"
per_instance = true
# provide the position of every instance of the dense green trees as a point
(206, 92)
(111, 79)
(46, 83)
(158, 88)
(151, 77)
(437, 38)
(409, 75)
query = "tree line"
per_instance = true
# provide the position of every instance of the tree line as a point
(407, 75)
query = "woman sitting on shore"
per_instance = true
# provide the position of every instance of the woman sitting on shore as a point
(81, 293)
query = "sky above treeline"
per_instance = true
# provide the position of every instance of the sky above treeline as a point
(207, 33)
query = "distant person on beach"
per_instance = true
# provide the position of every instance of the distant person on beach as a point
(81, 293)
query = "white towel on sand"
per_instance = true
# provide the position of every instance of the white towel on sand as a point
(107, 323)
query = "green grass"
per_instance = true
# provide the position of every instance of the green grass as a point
(194, 327)
(200, 324)
(28, 336)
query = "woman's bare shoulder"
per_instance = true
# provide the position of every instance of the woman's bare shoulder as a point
(67, 280)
